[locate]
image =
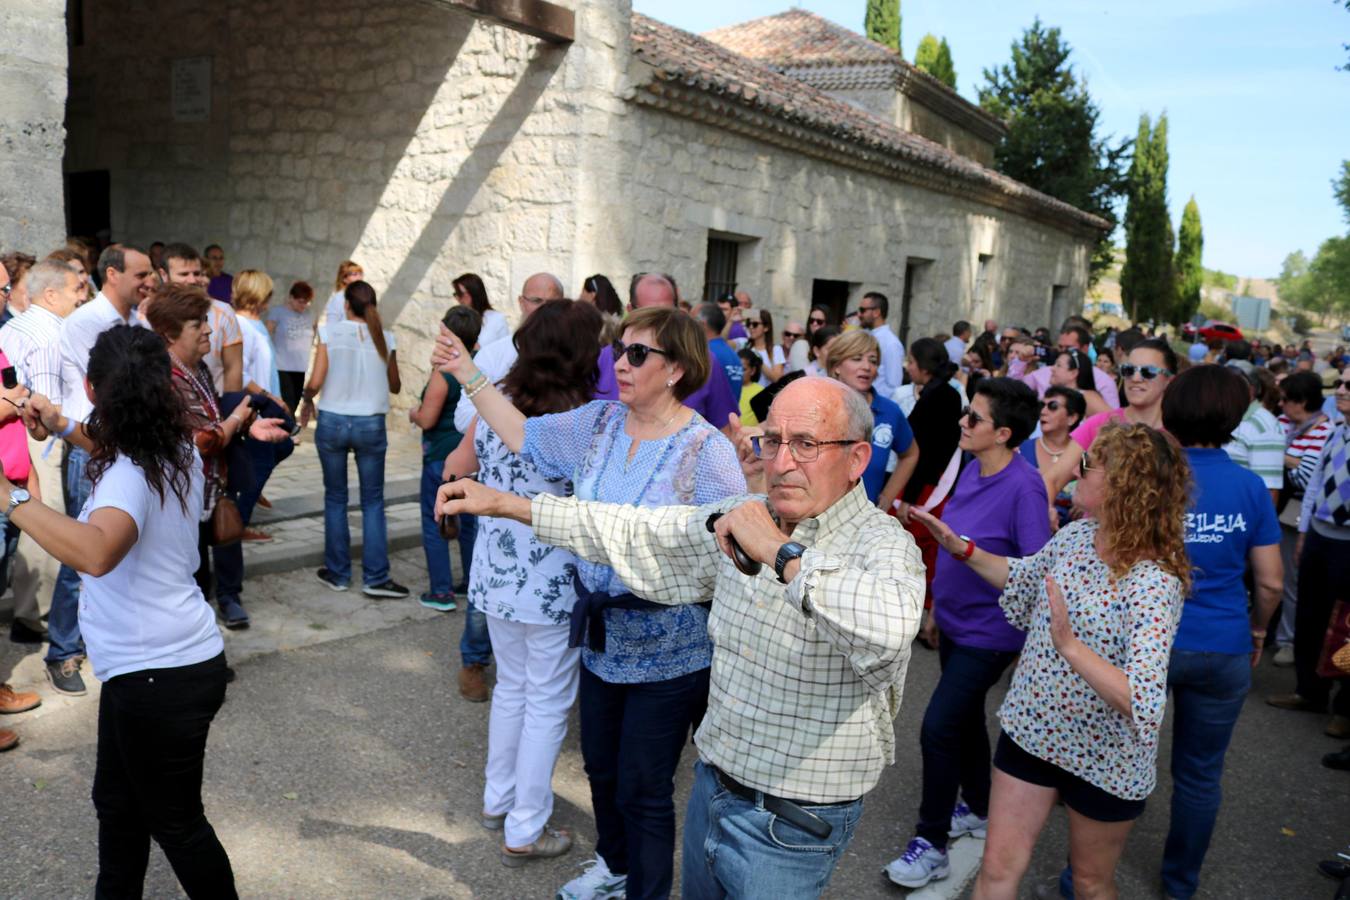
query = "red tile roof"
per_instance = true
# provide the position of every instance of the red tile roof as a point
(801, 38)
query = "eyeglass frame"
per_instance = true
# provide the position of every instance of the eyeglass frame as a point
(1143, 371)
(758, 449)
(642, 350)
(969, 414)
(795, 335)
(1054, 405)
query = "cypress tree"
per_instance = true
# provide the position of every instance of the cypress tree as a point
(1147, 279)
(882, 22)
(1190, 272)
(926, 54)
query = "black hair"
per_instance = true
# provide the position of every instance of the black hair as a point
(465, 322)
(1157, 346)
(138, 413)
(556, 367)
(606, 298)
(1305, 388)
(823, 335)
(1074, 402)
(1203, 405)
(751, 360)
(931, 357)
(1013, 405)
(1238, 349)
(960, 328)
(883, 304)
(114, 256)
(1080, 334)
(178, 250)
(824, 311)
(1082, 364)
(712, 316)
(472, 285)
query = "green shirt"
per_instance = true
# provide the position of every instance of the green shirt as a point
(440, 440)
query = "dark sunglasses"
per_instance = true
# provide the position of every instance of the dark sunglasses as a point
(1148, 373)
(816, 321)
(1344, 383)
(753, 323)
(974, 417)
(1086, 463)
(792, 334)
(1052, 405)
(636, 353)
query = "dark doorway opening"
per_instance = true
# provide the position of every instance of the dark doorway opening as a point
(833, 295)
(917, 274)
(88, 203)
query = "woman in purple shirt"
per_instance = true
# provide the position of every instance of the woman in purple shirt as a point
(998, 502)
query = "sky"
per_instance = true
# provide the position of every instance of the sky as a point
(1258, 116)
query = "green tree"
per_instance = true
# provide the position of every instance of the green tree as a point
(1147, 279)
(1341, 188)
(1052, 143)
(882, 22)
(1190, 272)
(935, 58)
(946, 69)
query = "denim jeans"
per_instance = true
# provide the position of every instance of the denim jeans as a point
(335, 436)
(9, 546)
(63, 621)
(736, 848)
(152, 729)
(954, 739)
(631, 739)
(433, 545)
(263, 457)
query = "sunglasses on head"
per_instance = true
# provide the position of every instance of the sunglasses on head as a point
(1148, 373)
(636, 353)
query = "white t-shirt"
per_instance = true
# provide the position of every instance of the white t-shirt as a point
(494, 361)
(357, 383)
(79, 331)
(335, 310)
(495, 327)
(777, 359)
(148, 613)
(258, 366)
(956, 349)
(892, 370)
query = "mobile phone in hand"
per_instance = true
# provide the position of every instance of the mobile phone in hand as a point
(8, 378)
(257, 401)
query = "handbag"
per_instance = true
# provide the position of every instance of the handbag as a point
(1335, 659)
(227, 525)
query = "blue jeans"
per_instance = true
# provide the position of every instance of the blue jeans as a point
(736, 848)
(335, 436)
(954, 739)
(631, 739)
(1208, 690)
(63, 622)
(433, 545)
(263, 457)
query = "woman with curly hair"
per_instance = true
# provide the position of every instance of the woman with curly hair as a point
(151, 637)
(1100, 605)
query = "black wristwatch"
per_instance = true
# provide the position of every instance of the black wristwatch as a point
(786, 554)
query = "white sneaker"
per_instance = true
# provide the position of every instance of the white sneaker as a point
(919, 864)
(966, 822)
(596, 883)
(1284, 657)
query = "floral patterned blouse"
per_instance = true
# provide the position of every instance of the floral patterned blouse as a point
(513, 575)
(1051, 711)
(694, 466)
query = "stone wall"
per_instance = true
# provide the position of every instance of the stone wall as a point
(912, 115)
(32, 107)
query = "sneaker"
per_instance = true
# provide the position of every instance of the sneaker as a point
(232, 611)
(1284, 657)
(966, 822)
(549, 844)
(19, 633)
(919, 864)
(12, 701)
(385, 589)
(331, 580)
(65, 676)
(438, 602)
(595, 883)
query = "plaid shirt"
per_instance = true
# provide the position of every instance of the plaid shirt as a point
(806, 679)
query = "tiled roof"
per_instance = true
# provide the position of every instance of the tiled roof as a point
(684, 63)
(800, 38)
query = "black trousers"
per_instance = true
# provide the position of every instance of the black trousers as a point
(152, 728)
(292, 386)
(1323, 578)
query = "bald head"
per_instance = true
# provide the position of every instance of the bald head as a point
(823, 412)
(835, 406)
(543, 286)
(652, 289)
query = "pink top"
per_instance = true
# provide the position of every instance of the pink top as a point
(14, 444)
(1086, 432)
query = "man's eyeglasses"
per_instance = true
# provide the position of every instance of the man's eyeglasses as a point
(863, 309)
(537, 301)
(1148, 373)
(1052, 405)
(973, 417)
(792, 334)
(801, 449)
(636, 353)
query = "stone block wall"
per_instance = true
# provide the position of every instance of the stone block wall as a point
(32, 108)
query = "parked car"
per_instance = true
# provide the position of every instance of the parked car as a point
(1212, 328)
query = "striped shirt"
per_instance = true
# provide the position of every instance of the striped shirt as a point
(1258, 445)
(1306, 447)
(806, 677)
(32, 341)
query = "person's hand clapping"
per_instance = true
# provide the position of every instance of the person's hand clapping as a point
(941, 532)
(40, 417)
(1061, 633)
(452, 357)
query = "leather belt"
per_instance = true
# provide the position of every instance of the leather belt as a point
(793, 811)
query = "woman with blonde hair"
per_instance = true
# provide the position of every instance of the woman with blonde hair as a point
(1100, 604)
(349, 272)
(854, 358)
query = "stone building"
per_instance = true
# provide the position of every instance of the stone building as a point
(787, 156)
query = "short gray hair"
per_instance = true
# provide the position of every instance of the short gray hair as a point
(50, 274)
(858, 413)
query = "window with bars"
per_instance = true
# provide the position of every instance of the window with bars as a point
(719, 273)
(982, 276)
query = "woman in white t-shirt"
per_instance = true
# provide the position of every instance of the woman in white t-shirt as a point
(149, 633)
(470, 291)
(759, 324)
(356, 370)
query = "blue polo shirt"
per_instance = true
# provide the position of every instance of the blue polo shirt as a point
(723, 353)
(890, 431)
(1230, 514)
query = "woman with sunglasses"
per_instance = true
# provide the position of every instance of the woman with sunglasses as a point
(644, 676)
(854, 359)
(998, 503)
(1061, 411)
(1100, 605)
(1073, 369)
(470, 291)
(759, 325)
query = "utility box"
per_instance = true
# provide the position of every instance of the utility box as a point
(1252, 313)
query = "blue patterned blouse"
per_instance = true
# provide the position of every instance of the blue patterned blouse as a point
(694, 466)
(514, 576)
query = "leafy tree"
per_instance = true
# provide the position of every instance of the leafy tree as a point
(1341, 188)
(935, 58)
(1052, 143)
(1147, 280)
(1190, 273)
(882, 22)
(946, 69)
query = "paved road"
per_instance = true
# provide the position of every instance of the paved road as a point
(351, 768)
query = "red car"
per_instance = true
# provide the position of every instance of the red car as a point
(1212, 329)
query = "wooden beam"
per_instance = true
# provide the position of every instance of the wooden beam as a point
(540, 18)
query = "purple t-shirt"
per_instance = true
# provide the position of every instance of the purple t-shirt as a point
(737, 332)
(606, 386)
(1004, 514)
(713, 401)
(221, 287)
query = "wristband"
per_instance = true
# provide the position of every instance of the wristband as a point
(477, 377)
(968, 552)
(71, 425)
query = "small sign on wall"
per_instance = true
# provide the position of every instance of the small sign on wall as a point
(190, 89)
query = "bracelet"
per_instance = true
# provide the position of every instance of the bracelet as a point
(477, 389)
(71, 425)
(477, 377)
(1258, 632)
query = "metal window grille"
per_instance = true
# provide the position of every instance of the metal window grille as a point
(719, 273)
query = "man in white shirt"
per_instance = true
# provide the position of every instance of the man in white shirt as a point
(128, 279)
(872, 313)
(1076, 337)
(795, 348)
(957, 343)
(32, 344)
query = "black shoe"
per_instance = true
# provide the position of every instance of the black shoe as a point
(462, 588)
(331, 580)
(229, 675)
(65, 676)
(1334, 869)
(385, 589)
(1338, 760)
(232, 611)
(20, 633)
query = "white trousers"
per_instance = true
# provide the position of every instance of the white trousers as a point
(537, 676)
(34, 569)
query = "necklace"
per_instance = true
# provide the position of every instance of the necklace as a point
(206, 394)
(1054, 456)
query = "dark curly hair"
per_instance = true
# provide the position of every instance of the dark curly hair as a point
(559, 345)
(137, 413)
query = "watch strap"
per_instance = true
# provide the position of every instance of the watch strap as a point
(786, 554)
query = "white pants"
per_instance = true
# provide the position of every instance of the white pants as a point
(34, 569)
(537, 677)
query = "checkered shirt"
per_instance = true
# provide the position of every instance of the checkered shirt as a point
(807, 678)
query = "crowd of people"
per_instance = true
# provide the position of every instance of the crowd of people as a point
(688, 523)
